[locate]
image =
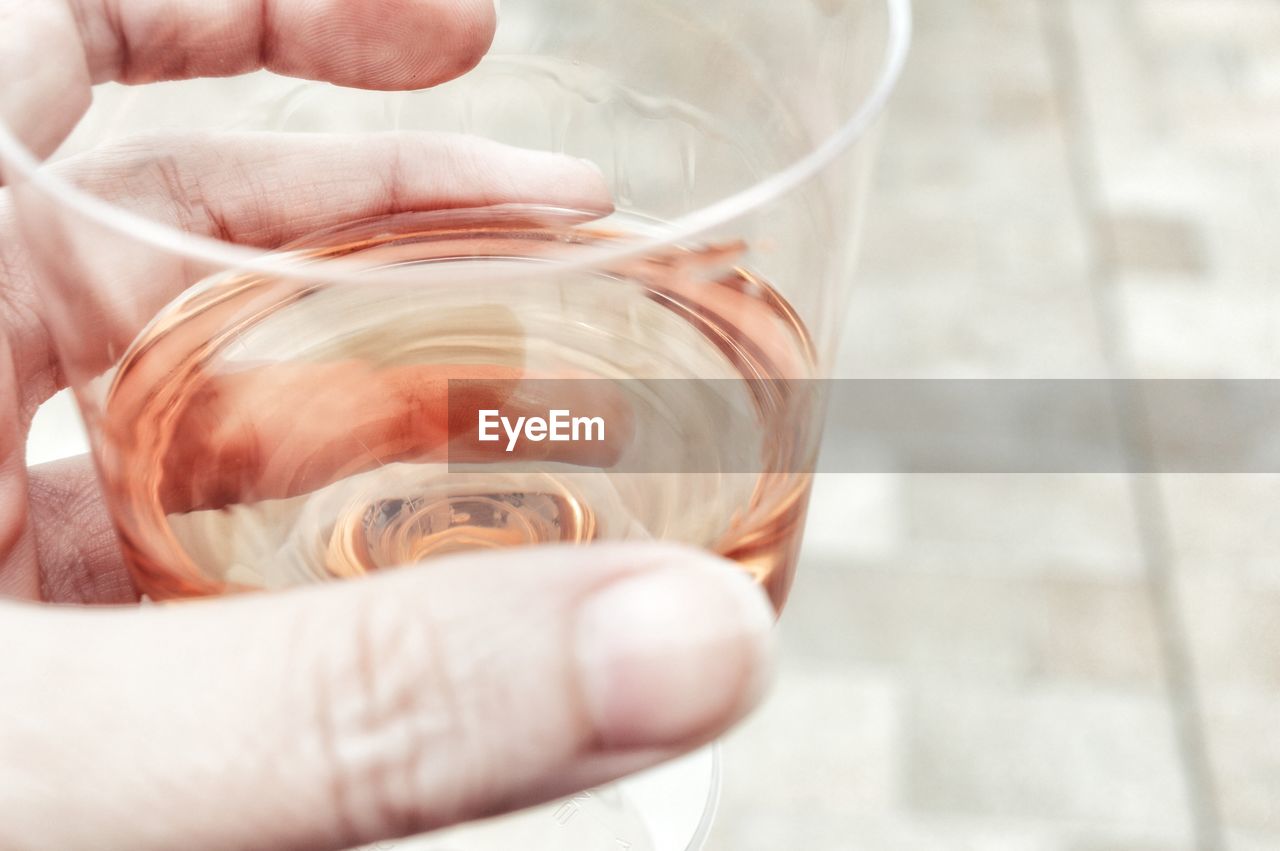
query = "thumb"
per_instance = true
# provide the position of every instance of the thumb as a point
(339, 715)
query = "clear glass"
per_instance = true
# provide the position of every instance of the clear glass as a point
(274, 408)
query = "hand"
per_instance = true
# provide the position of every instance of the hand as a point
(334, 715)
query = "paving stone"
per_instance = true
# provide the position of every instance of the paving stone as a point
(1219, 522)
(1147, 243)
(822, 754)
(1020, 524)
(1233, 628)
(1245, 752)
(1097, 756)
(913, 619)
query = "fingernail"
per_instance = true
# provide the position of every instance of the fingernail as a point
(592, 166)
(546, 177)
(675, 653)
(542, 163)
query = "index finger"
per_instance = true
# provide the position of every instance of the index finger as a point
(51, 52)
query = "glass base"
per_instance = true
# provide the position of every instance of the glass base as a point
(668, 808)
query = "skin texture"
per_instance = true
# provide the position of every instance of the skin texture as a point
(336, 715)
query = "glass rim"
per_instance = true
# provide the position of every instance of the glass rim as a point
(226, 255)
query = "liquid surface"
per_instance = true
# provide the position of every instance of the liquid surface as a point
(263, 433)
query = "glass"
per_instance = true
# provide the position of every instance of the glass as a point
(274, 407)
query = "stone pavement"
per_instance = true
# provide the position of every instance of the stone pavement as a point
(1068, 188)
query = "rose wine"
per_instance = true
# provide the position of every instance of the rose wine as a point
(264, 431)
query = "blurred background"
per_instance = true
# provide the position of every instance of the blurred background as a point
(1067, 189)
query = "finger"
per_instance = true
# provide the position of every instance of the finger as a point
(266, 189)
(341, 715)
(19, 574)
(58, 48)
(76, 547)
(263, 190)
(373, 44)
(47, 83)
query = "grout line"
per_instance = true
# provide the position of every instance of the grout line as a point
(1150, 508)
